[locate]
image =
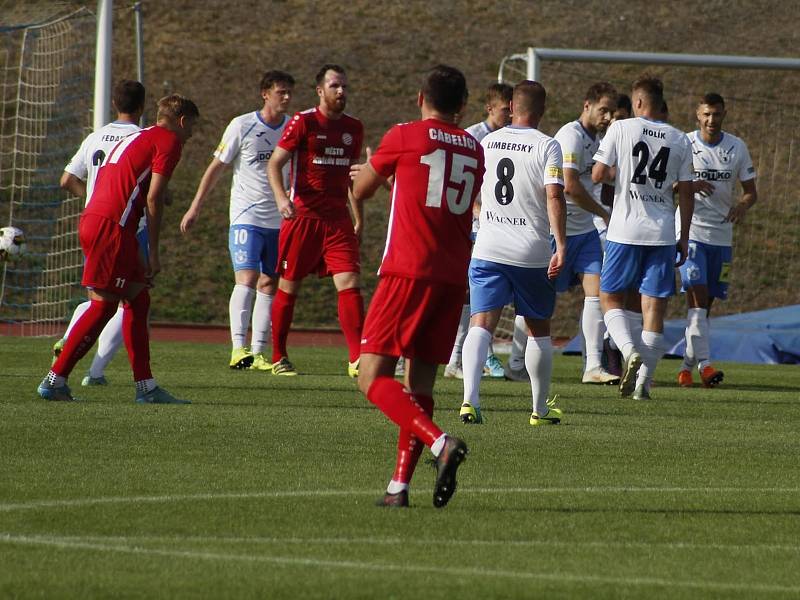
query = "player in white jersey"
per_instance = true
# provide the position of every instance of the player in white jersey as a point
(579, 141)
(498, 115)
(644, 157)
(247, 144)
(719, 159)
(78, 179)
(522, 200)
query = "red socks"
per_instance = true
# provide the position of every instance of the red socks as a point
(136, 334)
(83, 335)
(351, 319)
(282, 314)
(397, 404)
(409, 447)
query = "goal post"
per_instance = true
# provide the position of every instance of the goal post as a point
(762, 110)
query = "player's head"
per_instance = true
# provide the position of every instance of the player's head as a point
(332, 88)
(711, 114)
(599, 104)
(276, 90)
(624, 109)
(647, 95)
(528, 103)
(179, 114)
(444, 90)
(128, 97)
(498, 104)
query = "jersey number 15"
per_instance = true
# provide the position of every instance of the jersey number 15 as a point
(458, 188)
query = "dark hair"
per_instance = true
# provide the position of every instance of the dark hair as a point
(270, 78)
(176, 106)
(445, 89)
(599, 90)
(624, 102)
(499, 91)
(712, 99)
(128, 96)
(650, 86)
(529, 97)
(320, 78)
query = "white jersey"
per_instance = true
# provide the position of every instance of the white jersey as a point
(94, 149)
(248, 142)
(479, 130)
(515, 227)
(650, 156)
(721, 165)
(579, 148)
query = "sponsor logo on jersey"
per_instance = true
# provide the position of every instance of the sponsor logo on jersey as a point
(712, 175)
(553, 171)
(260, 157)
(347, 139)
(495, 218)
(656, 198)
(570, 157)
(221, 147)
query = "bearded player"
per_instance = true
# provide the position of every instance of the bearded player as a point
(317, 234)
(132, 182)
(437, 169)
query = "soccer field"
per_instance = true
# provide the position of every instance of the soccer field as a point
(264, 488)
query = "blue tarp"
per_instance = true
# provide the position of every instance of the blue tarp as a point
(766, 336)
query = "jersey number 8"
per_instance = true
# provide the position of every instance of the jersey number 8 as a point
(459, 186)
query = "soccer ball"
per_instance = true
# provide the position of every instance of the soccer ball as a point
(12, 243)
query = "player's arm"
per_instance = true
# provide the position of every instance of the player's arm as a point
(277, 161)
(207, 183)
(579, 195)
(557, 214)
(154, 211)
(686, 204)
(607, 195)
(73, 184)
(366, 182)
(746, 202)
(602, 173)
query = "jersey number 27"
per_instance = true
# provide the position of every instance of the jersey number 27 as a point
(458, 188)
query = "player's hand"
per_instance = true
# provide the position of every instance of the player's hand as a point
(356, 168)
(358, 229)
(556, 263)
(153, 269)
(189, 219)
(606, 218)
(704, 188)
(285, 208)
(682, 251)
(737, 213)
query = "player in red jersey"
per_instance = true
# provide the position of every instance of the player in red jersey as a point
(438, 171)
(131, 182)
(317, 234)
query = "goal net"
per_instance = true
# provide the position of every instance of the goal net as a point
(45, 111)
(762, 108)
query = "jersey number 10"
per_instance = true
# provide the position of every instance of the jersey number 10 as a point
(458, 188)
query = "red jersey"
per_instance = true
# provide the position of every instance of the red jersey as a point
(323, 150)
(438, 172)
(120, 191)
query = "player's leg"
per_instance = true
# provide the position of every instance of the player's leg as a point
(109, 342)
(515, 368)
(266, 287)
(350, 308)
(244, 245)
(454, 369)
(621, 269)
(76, 314)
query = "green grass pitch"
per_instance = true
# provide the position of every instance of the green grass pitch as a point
(264, 488)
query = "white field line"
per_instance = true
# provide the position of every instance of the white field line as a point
(402, 568)
(391, 541)
(36, 504)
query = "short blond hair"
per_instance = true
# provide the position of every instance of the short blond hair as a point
(176, 106)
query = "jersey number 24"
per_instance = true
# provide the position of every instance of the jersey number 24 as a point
(458, 188)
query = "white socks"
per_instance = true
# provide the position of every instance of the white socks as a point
(108, 343)
(438, 445)
(652, 348)
(593, 329)
(539, 362)
(145, 385)
(697, 338)
(461, 334)
(518, 343)
(395, 487)
(262, 317)
(77, 314)
(619, 330)
(240, 309)
(635, 324)
(476, 348)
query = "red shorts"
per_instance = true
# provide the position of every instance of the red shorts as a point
(307, 245)
(112, 255)
(413, 318)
